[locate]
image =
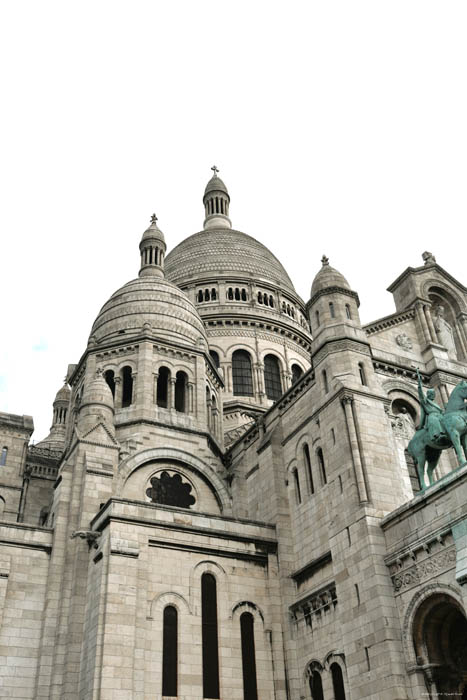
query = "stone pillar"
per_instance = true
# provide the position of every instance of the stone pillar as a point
(431, 327)
(358, 468)
(191, 388)
(135, 392)
(155, 376)
(118, 392)
(422, 321)
(462, 335)
(171, 393)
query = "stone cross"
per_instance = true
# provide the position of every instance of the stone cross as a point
(325, 260)
(153, 219)
(215, 169)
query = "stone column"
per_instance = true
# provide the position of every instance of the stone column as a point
(431, 327)
(134, 392)
(358, 468)
(155, 376)
(118, 392)
(462, 335)
(171, 393)
(422, 322)
(191, 388)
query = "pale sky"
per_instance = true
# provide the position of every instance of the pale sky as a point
(338, 127)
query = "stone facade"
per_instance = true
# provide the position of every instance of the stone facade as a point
(225, 506)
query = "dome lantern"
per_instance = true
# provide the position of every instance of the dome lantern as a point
(152, 248)
(216, 202)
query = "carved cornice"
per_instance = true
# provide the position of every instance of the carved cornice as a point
(334, 345)
(293, 341)
(314, 605)
(333, 290)
(424, 570)
(389, 321)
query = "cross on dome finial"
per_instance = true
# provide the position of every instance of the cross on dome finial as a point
(325, 260)
(215, 169)
(153, 219)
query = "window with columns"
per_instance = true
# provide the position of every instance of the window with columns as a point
(242, 375)
(272, 377)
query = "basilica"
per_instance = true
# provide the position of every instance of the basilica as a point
(244, 495)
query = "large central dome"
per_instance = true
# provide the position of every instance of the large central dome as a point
(224, 252)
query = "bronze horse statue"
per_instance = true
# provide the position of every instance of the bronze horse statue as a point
(426, 445)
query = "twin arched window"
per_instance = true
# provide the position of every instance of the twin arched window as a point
(164, 397)
(272, 377)
(241, 373)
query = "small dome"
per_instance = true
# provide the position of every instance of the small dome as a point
(153, 230)
(97, 391)
(63, 394)
(215, 184)
(328, 277)
(154, 301)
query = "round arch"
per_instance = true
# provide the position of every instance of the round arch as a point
(155, 454)
(161, 600)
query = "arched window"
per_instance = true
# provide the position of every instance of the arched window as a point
(209, 636)
(237, 294)
(2, 505)
(180, 391)
(230, 294)
(284, 307)
(317, 325)
(3, 456)
(271, 301)
(127, 390)
(272, 377)
(247, 632)
(169, 651)
(331, 310)
(260, 298)
(200, 295)
(163, 387)
(348, 313)
(337, 682)
(206, 295)
(241, 373)
(306, 454)
(361, 371)
(213, 294)
(325, 381)
(322, 466)
(266, 303)
(109, 377)
(215, 358)
(296, 373)
(298, 493)
(316, 686)
(244, 296)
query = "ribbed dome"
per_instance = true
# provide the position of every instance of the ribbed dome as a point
(153, 301)
(221, 252)
(63, 394)
(215, 184)
(328, 277)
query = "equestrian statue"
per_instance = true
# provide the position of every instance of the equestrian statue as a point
(439, 430)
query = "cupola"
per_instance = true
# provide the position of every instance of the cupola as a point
(152, 248)
(216, 203)
(332, 301)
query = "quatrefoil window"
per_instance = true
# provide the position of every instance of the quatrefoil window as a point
(170, 490)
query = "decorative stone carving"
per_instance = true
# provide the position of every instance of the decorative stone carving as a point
(426, 569)
(170, 490)
(444, 330)
(428, 258)
(404, 341)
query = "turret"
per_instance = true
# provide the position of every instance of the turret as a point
(216, 203)
(152, 249)
(97, 405)
(56, 438)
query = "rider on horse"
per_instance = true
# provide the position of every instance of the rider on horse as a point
(431, 414)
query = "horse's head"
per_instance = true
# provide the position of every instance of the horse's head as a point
(458, 397)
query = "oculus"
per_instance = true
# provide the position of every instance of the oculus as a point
(170, 490)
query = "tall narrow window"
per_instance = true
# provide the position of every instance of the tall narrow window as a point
(169, 651)
(272, 377)
(247, 631)
(244, 296)
(230, 295)
(271, 301)
(298, 493)
(331, 310)
(325, 382)
(347, 311)
(163, 387)
(206, 295)
(127, 391)
(200, 295)
(3, 456)
(209, 636)
(337, 682)
(296, 373)
(260, 298)
(306, 454)
(180, 392)
(237, 294)
(322, 466)
(213, 294)
(110, 379)
(316, 686)
(361, 371)
(317, 324)
(241, 373)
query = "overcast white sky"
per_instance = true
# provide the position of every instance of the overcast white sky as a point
(338, 127)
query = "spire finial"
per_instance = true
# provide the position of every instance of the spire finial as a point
(215, 169)
(325, 260)
(153, 219)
